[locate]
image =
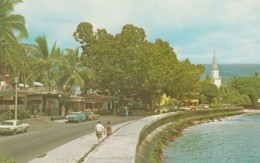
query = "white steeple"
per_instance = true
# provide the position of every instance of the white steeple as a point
(216, 79)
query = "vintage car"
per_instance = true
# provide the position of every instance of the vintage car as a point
(13, 126)
(76, 117)
(91, 116)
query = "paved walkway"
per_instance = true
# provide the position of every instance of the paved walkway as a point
(120, 147)
(75, 150)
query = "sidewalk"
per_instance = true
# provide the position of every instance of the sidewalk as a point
(120, 147)
(75, 150)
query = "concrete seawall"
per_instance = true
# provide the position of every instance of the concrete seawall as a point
(153, 132)
(135, 141)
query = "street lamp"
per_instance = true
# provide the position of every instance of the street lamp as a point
(16, 82)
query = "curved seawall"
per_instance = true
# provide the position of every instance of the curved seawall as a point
(160, 131)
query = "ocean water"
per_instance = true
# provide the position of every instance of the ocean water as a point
(227, 71)
(234, 140)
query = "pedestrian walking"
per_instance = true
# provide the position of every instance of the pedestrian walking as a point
(63, 110)
(100, 129)
(108, 128)
(35, 112)
(126, 111)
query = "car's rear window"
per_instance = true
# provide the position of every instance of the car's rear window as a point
(75, 113)
(7, 123)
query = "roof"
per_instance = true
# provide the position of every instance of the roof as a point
(97, 98)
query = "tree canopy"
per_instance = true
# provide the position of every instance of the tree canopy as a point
(12, 28)
(247, 89)
(127, 62)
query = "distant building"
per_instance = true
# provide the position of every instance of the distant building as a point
(215, 77)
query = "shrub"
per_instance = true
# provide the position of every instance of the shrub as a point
(5, 116)
(23, 114)
(215, 105)
(6, 159)
(104, 112)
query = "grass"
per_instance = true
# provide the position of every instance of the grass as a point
(6, 159)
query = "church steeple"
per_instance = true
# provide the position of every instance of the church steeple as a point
(214, 62)
(216, 79)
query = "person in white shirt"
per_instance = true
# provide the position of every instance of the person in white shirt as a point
(100, 129)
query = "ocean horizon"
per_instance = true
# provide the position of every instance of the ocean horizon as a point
(227, 71)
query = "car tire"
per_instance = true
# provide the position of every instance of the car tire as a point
(14, 132)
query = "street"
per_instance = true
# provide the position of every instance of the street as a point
(45, 135)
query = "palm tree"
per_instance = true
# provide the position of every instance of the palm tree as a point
(45, 61)
(72, 72)
(21, 67)
(12, 28)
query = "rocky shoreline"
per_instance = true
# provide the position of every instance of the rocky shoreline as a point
(175, 129)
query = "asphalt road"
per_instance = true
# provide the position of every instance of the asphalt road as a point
(45, 135)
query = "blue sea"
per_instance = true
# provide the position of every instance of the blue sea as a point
(234, 140)
(227, 71)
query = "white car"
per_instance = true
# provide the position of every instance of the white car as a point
(13, 126)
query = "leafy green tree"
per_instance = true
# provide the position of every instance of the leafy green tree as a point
(98, 49)
(12, 28)
(129, 64)
(185, 78)
(209, 90)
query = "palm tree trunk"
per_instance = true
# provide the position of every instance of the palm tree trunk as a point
(49, 83)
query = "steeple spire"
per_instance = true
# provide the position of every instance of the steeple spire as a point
(214, 62)
(216, 79)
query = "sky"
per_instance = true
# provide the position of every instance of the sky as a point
(194, 28)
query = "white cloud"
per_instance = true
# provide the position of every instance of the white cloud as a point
(194, 28)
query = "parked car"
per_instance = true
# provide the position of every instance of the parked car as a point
(91, 116)
(76, 117)
(13, 126)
